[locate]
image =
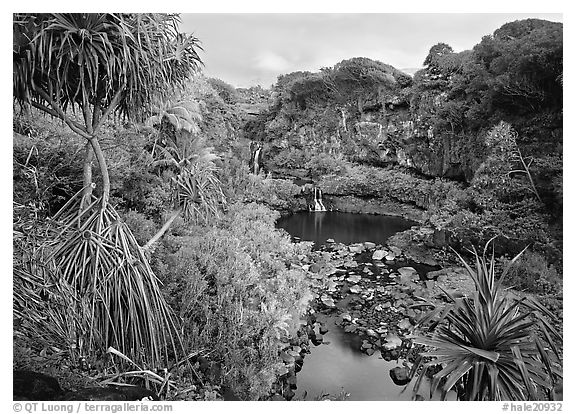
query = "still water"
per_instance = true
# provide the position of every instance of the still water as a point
(340, 367)
(343, 227)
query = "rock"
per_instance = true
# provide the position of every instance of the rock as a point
(289, 394)
(395, 250)
(328, 301)
(355, 289)
(277, 397)
(330, 241)
(115, 393)
(369, 245)
(390, 257)
(408, 271)
(350, 264)
(392, 342)
(356, 248)
(315, 268)
(354, 278)
(331, 286)
(379, 255)
(287, 358)
(346, 317)
(370, 351)
(34, 386)
(400, 375)
(366, 344)
(371, 332)
(405, 324)
(350, 328)
(306, 267)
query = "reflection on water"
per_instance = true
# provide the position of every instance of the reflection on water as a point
(343, 227)
(340, 366)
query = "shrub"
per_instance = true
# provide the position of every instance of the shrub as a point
(533, 274)
(236, 295)
(324, 164)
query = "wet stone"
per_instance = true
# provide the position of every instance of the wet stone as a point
(355, 289)
(354, 278)
(392, 342)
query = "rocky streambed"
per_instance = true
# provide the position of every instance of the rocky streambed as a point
(366, 293)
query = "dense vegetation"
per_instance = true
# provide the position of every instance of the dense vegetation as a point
(171, 266)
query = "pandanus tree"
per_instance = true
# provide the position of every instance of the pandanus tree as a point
(81, 69)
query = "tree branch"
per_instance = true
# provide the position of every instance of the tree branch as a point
(110, 107)
(60, 114)
(163, 230)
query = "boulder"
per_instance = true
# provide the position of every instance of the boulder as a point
(379, 254)
(405, 324)
(354, 278)
(346, 317)
(115, 393)
(315, 268)
(356, 248)
(369, 245)
(34, 386)
(355, 289)
(400, 375)
(392, 342)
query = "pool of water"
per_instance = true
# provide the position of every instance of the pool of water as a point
(343, 227)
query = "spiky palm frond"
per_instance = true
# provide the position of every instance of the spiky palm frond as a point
(79, 58)
(499, 346)
(184, 116)
(198, 192)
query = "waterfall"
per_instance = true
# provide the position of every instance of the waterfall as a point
(318, 205)
(256, 163)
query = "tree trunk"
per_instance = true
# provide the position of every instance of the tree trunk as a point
(163, 230)
(87, 176)
(103, 170)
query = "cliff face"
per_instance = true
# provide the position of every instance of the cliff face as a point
(371, 113)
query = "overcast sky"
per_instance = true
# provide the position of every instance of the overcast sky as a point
(251, 49)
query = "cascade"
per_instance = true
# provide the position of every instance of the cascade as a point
(318, 205)
(256, 161)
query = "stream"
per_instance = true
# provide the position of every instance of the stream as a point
(337, 368)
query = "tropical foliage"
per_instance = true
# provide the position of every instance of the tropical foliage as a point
(497, 346)
(98, 65)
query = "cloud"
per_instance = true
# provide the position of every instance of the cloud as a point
(271, 62)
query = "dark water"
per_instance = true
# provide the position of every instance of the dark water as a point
(340, 367)
(343, 227)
